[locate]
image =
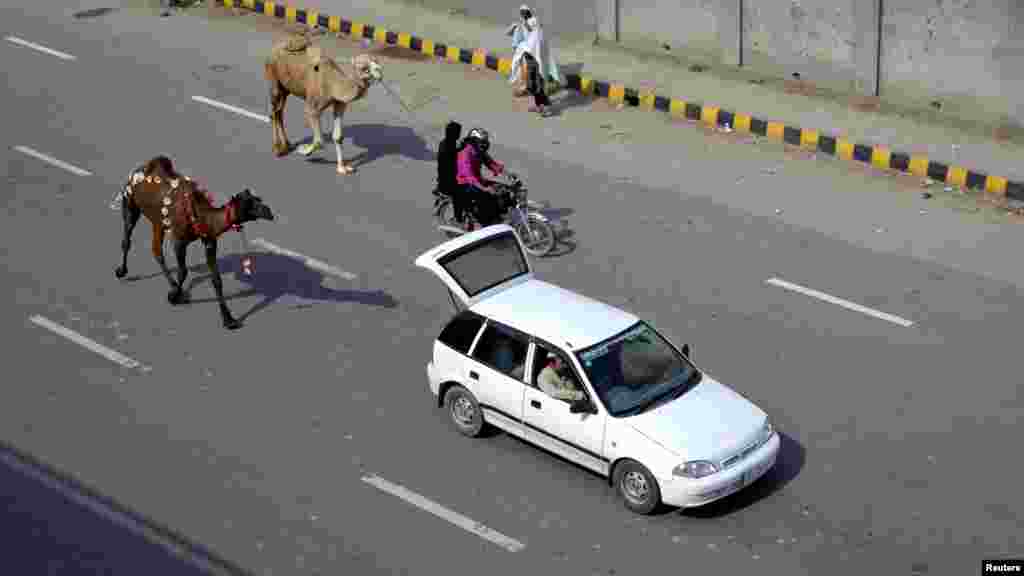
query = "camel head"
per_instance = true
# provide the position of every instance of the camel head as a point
(328, 78)
(369, 70)
(251, 207)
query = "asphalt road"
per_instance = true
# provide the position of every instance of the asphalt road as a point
(899, 440)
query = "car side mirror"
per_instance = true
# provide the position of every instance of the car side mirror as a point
(686, 351)
(581, 406)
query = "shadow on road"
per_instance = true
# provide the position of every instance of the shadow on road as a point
(379, 140)
(276, 276)
(52, 524)
(792, 457)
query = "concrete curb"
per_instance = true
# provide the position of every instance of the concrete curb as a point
(833, 145)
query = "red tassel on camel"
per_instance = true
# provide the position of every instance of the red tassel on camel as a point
(247, 260)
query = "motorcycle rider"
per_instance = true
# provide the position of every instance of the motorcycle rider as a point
(474, 188)
(447, 160)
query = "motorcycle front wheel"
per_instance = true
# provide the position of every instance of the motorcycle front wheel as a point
(537, 235)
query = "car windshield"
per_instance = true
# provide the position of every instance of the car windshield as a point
(636, 370)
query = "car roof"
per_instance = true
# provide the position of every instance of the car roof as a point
(555, 314)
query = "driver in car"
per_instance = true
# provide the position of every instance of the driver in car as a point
(552, 383)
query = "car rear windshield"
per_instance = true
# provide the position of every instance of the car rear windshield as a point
(636, 369)
(487, 264)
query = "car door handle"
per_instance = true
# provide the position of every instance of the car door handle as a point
(535, 403)
(474, 375)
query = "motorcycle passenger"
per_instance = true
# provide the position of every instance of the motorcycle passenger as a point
(447, 160)
(473, 186)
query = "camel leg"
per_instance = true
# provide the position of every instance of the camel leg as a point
(177, 296)
(211, 262)
(130, 214)
(313, 123)
(158, 253)
(337, 136)
(278, 97)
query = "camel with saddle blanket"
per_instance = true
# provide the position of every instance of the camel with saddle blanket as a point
(176, 205)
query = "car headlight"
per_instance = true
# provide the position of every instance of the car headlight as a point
(695, 469)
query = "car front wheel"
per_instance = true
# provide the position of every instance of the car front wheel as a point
(637, 487)
(464, 411)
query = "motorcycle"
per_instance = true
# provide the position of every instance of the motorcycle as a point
(516, 210)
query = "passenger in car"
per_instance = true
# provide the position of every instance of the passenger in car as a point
(552, 383)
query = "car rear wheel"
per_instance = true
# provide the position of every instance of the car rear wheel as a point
(637, 487)
(464, 411)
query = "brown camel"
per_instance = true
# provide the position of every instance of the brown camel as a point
(299, 68)
(175, 204)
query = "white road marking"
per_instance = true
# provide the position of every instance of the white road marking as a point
(840, 302)
(311, 263)
(40, 48)
(53, 161)
(230, 108)
(467, 524)
(112, 355)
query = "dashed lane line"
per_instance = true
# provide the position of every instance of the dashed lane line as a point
(53, 161)
(110, 354)
(839, 302)
(230, 108)
(311, 263)
(40, 48)
(467, 524)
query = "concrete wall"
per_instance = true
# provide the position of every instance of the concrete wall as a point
(813, 38)
(967, 55)
(689, 24)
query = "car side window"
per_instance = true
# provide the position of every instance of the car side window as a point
(566, 381)
(460, 332)
(503, 350)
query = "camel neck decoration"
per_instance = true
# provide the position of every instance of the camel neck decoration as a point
(297, 67)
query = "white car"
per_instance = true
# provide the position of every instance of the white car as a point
(660, 429)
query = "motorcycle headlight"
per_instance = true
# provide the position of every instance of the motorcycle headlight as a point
(695, 469)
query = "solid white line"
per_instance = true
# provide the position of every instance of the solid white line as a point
(467, 524)
(230, 108)
(112, 355)
(53, 161)
(34, 46)
(840, 302)
(309, 262)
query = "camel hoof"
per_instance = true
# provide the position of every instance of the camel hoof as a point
(120, 272)
(232, 324)
(177, 297)
(281, 151)
(345, 170)
(307, 149)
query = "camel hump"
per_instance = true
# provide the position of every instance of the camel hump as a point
(160, 166)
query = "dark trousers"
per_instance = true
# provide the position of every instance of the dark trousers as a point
(485, 204)
(535, 81)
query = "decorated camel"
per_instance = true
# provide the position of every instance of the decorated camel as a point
(299, 68)
(176, 205)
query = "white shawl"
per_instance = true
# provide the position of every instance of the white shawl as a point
(536, 46)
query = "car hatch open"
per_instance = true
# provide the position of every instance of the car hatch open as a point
(480, 264)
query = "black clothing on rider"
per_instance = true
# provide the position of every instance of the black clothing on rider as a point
(447, 152)
(487, 210)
